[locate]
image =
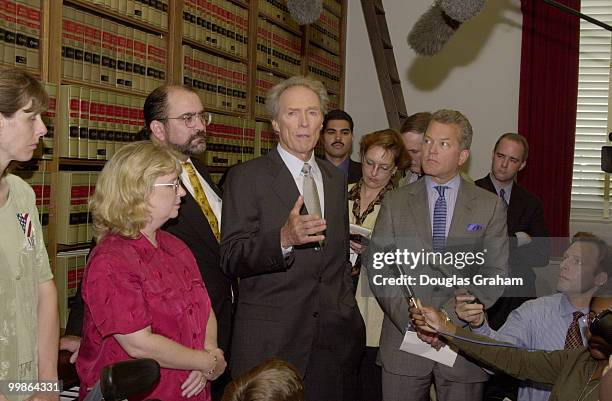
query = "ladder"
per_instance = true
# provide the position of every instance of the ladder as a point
(384, 59)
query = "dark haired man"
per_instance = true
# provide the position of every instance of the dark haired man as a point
(337, 141)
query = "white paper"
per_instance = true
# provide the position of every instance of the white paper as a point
(364, 232)
(416, 346)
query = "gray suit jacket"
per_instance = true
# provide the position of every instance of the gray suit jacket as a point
(479, 221)
(287, 305)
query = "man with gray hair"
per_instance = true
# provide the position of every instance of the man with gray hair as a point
(285, 235)
(439, 214)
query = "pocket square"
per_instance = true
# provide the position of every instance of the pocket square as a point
(473, 227)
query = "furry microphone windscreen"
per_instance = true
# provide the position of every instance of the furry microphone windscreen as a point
(431, 32)
(305, 11)
(461, 10)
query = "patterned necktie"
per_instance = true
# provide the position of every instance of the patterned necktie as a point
(200, 197)
(439, 220)
(310, 193)
(573, 339)
(502, 194)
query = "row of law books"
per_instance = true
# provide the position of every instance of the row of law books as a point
(221, 83)
(277, 11)
(40, 181)
(69, 269)
(94, 124)
(151, 12)
(325, 67)
(229, 140)
(267, 137)
(326, 31)
(265, 82)
(277, 48)
(101, 51)
(20, 33)
(217, 23)
(72, 195)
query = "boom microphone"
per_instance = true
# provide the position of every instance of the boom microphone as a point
(431, 32)
(461, 10)
(305, 11)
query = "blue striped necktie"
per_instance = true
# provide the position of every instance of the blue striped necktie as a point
(502, 194)
(439, 220)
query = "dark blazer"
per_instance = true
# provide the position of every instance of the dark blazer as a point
(354, 172)
(192, 228)
(525, 213)
(287, 306)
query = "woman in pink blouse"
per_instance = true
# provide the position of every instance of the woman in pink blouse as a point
(143, 292)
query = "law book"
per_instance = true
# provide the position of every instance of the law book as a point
(10, 18)
(83, 138)
(49, 118)
(68, 121)
(69, 270)
(67, 209)
(79, 200)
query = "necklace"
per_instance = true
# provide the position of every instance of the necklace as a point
(582, 395)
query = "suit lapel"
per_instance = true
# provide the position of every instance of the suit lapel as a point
(283, 183)
(418, 205)
(463, 212)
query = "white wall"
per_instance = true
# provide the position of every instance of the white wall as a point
(477, 72)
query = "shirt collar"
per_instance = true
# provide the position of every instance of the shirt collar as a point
(507, 188)
(453, 183)
(567, 309)
(293, 163)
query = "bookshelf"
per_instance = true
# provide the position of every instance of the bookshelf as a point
(98, 59)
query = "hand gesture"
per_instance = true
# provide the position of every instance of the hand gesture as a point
(471, 313)
(302, 229)
(194, 384)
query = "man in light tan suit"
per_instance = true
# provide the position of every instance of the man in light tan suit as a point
(440, 213)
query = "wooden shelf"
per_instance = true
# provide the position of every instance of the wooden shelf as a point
(67, 161)
(106, 12)
(34, 71)
(241, 3)
(211, 49)
(225, 112)
(75, 247)
(217, 169)
(280, 24)
(93, 85)
(273, 71)
(322, 47)
(262, 119)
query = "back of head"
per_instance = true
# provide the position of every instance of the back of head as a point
(417, 122)
(274, 380)
(119, 204)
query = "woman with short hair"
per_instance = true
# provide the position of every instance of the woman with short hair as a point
(142, 289)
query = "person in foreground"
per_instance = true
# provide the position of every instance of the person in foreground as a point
(143, 292)
(29, 323)
(575, 374)
(273, 380)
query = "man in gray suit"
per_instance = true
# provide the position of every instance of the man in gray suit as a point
(295, 293)
(440, 214)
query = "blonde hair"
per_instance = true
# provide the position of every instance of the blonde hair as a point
(273, 97)
(455, 117)
(274, 380)
(119, 204)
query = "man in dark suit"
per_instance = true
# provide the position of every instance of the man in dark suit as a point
(412, 130)
(175, 118)
(529, 243)
(439, 214)
(337, 141)
(296, 295)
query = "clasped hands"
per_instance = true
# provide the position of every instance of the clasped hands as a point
(197, 379)
(302, 229)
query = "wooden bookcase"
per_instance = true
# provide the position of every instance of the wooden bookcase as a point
(255, 43)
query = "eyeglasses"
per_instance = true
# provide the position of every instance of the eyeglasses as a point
(176, 186)
(191, 119)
